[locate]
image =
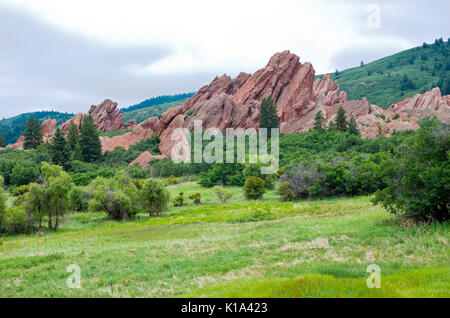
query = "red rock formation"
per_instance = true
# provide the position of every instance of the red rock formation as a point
(144, 159)
(106, 117)
(144, 130)
(77, 120)
(48, 129)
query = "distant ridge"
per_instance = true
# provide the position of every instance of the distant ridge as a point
(159, 100)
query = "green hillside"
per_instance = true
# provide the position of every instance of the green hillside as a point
(12, 128)
(143, 113)
(383, 82)
(159, 100)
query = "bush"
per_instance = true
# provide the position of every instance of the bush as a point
(79, 199)
(18, 221)
(254, 188)
(197, 197)
(179, 200)
(418, 177)
(285, 192)
(24, 172)
(222, 194)
(154, 197)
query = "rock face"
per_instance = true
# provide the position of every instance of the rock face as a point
(48, 129)
(106, 117)
(144, 159)
(235, 103)
(144, 130)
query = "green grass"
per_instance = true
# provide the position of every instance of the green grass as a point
(241, 249)
(114, 133)
(382, 86)
(144, 113)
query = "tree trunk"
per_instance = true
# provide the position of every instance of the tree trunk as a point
(50, 226)
(57, 222)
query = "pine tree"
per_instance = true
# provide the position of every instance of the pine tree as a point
(77, 153)
(91, 147)
(341, 120)
(319, 122)
(59, 151)
(73, 136)
(33, 134)
(268, 115)
(2, 140)
(353, 127)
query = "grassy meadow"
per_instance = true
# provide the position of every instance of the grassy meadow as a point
(240, 248)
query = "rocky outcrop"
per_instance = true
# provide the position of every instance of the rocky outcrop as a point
(235, 103)
(77, 120)
(144, 159)
(48, 129)
(106, 117)
(144, 130)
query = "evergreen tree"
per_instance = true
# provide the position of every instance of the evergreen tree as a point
(444, 85)
(59, 151)
(2, 140)
(341, 120)
(91, 147)
(33, 134)
(319, 122)
(77, 153)
(353, 127)
(73, 136)
(268, 115)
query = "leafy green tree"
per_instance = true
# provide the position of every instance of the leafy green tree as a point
(154, 196)
(58, 185)
(254, 188)
(73, 136)
(418, 177)
(59, 151)
(444, 85)
(33, 134)
(2, 140)
(353, 127)
(341, 120)
(36, 202)
(268, 115)
(91, 147)
(24, 172)
(319, 122)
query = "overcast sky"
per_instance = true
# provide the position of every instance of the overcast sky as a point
(66, 55)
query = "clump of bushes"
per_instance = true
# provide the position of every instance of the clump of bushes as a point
(196, 197)
(154, 197)
(254, 188)
(418, 176)
(179, 200)
(285, 192)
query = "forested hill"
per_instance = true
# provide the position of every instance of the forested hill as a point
(13, 127)
(159, 100)
(396, 77)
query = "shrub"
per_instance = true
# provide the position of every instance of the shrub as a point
(197, 197)
(18, 221)
(79, 199)
(24, 172)
(179, 200)
(418, 177)
(396, 116)
(222, 194)
(254, 188)
(285, 192)
(154, 197)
